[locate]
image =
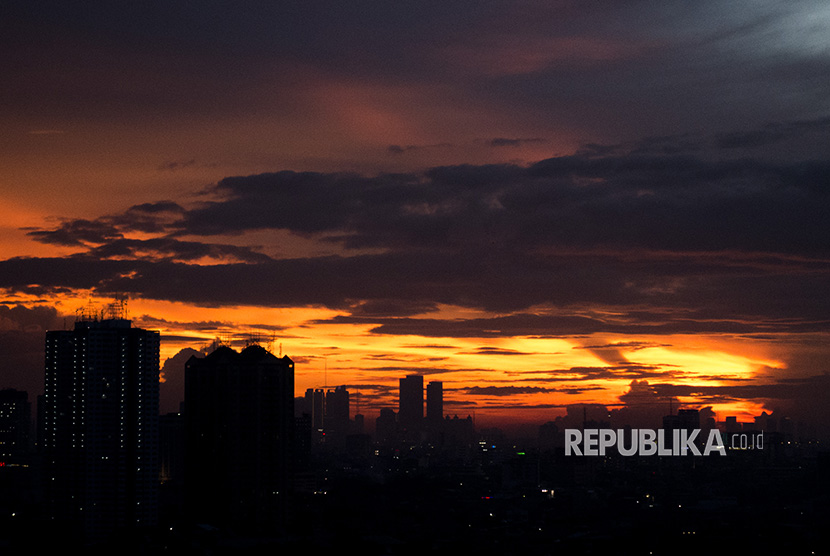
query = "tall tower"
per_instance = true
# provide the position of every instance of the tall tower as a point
(239, 423)
(100, 425)
(411, 404)
(338, 416)
(435, 402)
(435, 409)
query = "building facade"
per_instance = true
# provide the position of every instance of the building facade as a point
(239, 426)
(411, 406)
(100, 426)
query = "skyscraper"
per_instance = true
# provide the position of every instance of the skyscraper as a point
(100, 425)
(338, 417)
(239, 423)
(317, 401)
(435, 402)
(411, 405)
(435, 409)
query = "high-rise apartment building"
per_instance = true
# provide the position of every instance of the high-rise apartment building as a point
(435, 409)
(411, 405)
(435, 402)
(338, 417)
(100, 425)
(239, 424)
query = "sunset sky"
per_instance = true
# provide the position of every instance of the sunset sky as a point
(539, 203)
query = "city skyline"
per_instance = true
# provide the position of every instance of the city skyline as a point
(537, 204)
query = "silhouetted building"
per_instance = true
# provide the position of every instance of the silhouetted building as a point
(337, 414)
(239, 426)
(171, 463)
(686, 419)
(411, 405)
(548, 437)
(316, 402)
(15, 426)
(171, 447)
(458, 432)
(358, 425)
(302, 441)
(100, 425)
(435, 402)
(435, 410)
(386, 426)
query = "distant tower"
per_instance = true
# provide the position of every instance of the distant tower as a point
(435, 409)
(385, 426)
(315, 399)
(411, 404)
(435, 402)
(337, 414)
(239, 426)
(100, 424)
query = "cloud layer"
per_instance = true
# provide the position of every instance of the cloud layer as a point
(633, 241)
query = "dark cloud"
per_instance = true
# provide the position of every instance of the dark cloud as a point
(181, 338)
(497, 391)
(149, 321)
(490, 350)
(568, 202)
(630, 371)
(550, 326)
(177, 165)
(399, 149)
(670, 243)
(409, 358)
(171, 387)
(631, 346)
(801, 399)
(151, 218)
(596, 70)
(506, 390)
(106, 237)
(743, 303)
(418, 370)
(391, 307)
(505, 142)
(613, 353)
(22, 341)
(29, 319)
(78, 233)
(780, 391)
(174, 249)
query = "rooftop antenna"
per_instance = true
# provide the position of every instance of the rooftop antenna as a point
(87, 313)
(117, 310)
(221, 339)
(253, 338)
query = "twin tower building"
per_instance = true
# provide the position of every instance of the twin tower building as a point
(99, 430)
